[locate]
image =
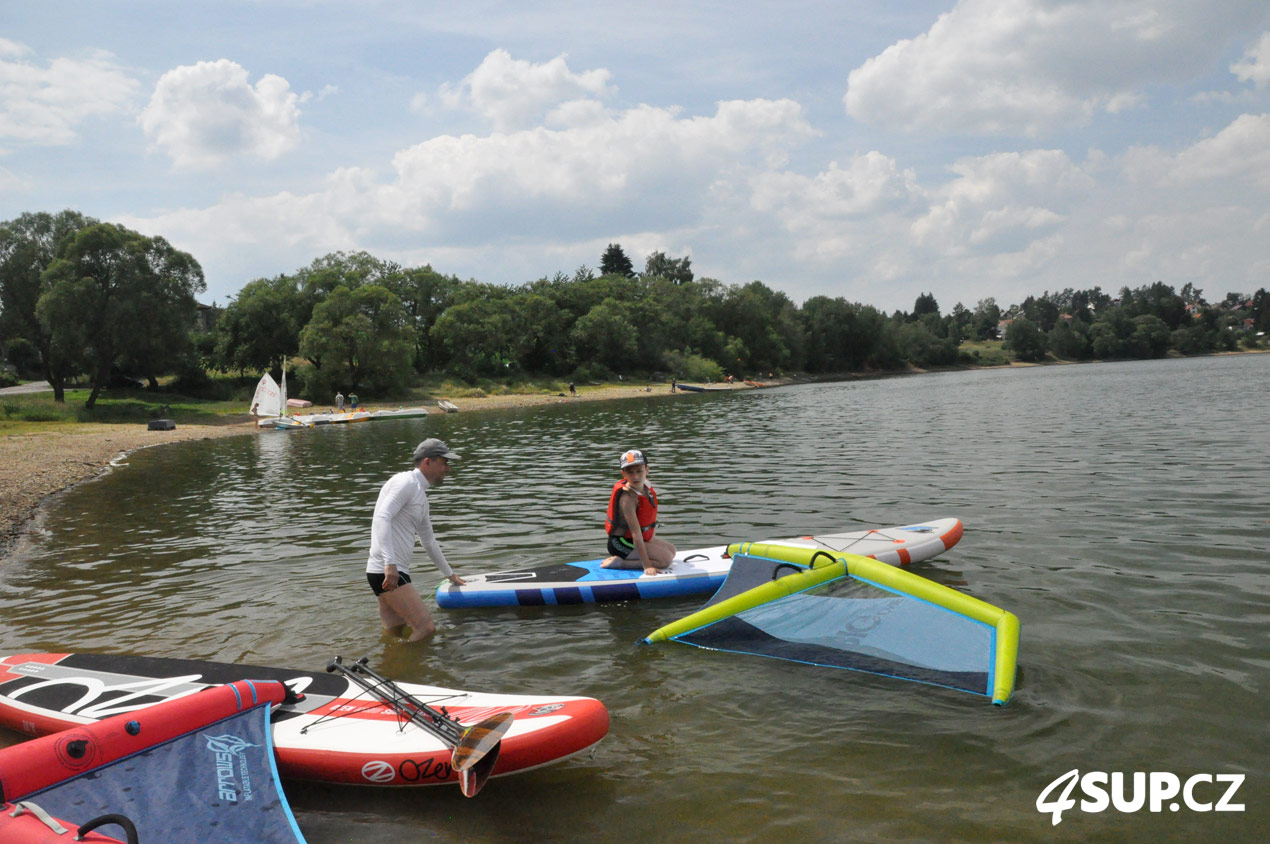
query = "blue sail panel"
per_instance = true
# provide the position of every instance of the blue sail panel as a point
(846, 611)
(896, 637)
(217, 784)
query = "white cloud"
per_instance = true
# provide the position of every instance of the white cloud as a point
(1001, 202)
(642, 170)
(1255, 66)
(642, 166)
(10, 182)
(45, 105)
(514, 94)
(1235, 159)
(1030, 66)
(206, 113)
(837, 213)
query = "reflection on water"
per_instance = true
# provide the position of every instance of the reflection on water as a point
(1119, 510)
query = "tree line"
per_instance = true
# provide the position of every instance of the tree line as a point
(83, 298)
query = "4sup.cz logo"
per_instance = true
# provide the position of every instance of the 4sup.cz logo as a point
(1131, 792)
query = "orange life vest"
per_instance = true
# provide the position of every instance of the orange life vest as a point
(645, 513)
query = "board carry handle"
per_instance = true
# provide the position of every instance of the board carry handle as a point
(129, 828)
(811, 564)
(470, 745)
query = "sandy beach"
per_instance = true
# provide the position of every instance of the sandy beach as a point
(35, 467)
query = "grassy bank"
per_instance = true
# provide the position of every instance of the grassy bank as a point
(24, 413)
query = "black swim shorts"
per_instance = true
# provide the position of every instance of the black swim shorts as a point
(620, 546)
(376, 581)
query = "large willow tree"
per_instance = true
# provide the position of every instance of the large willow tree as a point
(114, 297)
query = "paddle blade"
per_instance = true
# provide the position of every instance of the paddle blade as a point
(478, 740)
(473, 779)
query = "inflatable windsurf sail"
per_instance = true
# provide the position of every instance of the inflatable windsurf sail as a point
(182, 770)
(846, 611)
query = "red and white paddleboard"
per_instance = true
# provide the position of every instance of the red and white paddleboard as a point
(336, 733)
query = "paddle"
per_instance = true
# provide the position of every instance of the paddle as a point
(475, 747)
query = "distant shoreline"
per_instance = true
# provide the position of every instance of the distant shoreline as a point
(34, 468)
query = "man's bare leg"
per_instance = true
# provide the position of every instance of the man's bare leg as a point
(407, 607)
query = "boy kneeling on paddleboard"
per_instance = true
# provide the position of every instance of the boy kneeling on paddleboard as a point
(633, 502)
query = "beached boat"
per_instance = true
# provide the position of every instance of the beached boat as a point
(448, 406)
(331, 417)
(270, 404)
(399, 413)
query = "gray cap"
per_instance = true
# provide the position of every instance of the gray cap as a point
(633, 457)
(433, 447)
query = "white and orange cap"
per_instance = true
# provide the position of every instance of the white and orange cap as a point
(634, 457)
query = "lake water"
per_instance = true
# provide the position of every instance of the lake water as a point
(1119, 510)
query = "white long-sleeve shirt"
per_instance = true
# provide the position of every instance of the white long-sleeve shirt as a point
(401, 514)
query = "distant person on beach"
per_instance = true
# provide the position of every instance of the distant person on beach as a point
(573, 391)
(339, 402)
(631, 521)
(401, 516)
(352, 401)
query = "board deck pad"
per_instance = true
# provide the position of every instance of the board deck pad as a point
(692, 572)
(335, 733)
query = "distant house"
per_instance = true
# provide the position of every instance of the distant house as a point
(1002, 325)
(205, 317)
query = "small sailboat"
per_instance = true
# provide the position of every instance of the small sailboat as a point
(270, 404)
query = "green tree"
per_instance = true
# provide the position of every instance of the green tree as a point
(987, 317)
(1044, 312)
(1069, 339)
(358, 339)
(1025, 340)
(539, 341)
(1150, 337)
(922, 347)
(116, 296)
(1261, 310)
(606, 335)
(615, 262)
(28, 245)
(479, 336)
(755, 314)
(676, 270)
(924, 305)
(1109, 335)
(425, 294)
(261, 325)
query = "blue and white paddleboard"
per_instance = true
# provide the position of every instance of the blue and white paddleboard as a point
(692, 572)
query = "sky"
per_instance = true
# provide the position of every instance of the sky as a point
(869, 150)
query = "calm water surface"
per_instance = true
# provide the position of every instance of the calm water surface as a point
(1120, 510)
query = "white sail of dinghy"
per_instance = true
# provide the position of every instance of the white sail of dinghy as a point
(266, 404)
(282, 403)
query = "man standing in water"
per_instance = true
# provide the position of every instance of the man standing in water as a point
(401, 515)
